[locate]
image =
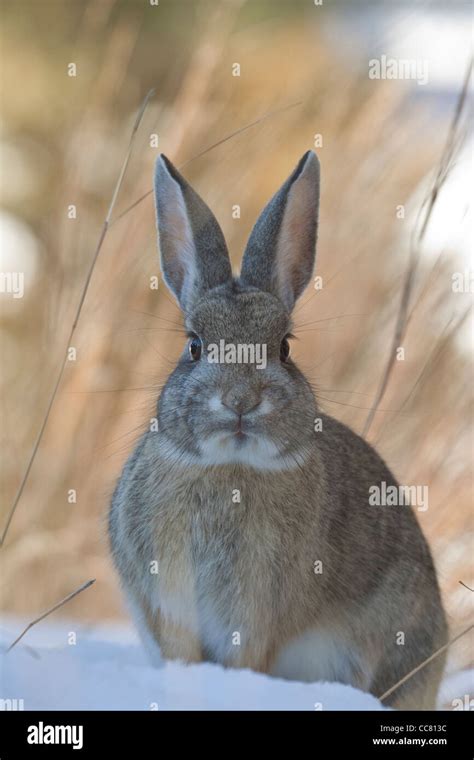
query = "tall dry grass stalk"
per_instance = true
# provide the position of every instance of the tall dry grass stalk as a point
(453, 145)
(77, 316)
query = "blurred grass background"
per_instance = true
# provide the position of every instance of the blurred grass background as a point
(63, 140)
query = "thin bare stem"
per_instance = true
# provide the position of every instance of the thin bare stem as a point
(443, 341)
(427, 208)
(424, 663)
(82, 298)
(466, 586)
(51, 610)
(208, 149)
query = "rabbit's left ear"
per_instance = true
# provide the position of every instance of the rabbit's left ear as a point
(280, 253)
(194, 257)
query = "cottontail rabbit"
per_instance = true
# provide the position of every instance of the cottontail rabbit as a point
(243, 530)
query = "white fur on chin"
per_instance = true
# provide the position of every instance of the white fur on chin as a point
(257, 452)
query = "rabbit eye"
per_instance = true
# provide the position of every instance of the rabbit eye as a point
(195, 348)
(284, 350)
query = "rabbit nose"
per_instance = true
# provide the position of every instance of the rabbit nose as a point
(241, 404)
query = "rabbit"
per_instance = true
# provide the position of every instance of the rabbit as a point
(241, 529)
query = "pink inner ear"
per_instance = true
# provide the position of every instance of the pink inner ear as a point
(293, 259)
(179, 264)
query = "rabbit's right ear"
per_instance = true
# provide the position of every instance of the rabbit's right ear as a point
(193, 251)
(279, 256)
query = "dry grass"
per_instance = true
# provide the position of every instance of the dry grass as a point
(377, 148)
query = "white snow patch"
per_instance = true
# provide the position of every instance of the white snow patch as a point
(457, 690)
(107, 669)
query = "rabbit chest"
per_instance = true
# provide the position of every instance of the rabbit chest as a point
(223, 554)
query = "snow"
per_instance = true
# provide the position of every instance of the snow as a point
(106, 669)
(458, 688)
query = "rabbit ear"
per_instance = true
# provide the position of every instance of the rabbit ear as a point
(193, 251)
(280, 253)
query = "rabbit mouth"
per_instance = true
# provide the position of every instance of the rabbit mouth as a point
(237, 430)
(241, 432)
(237, 436)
